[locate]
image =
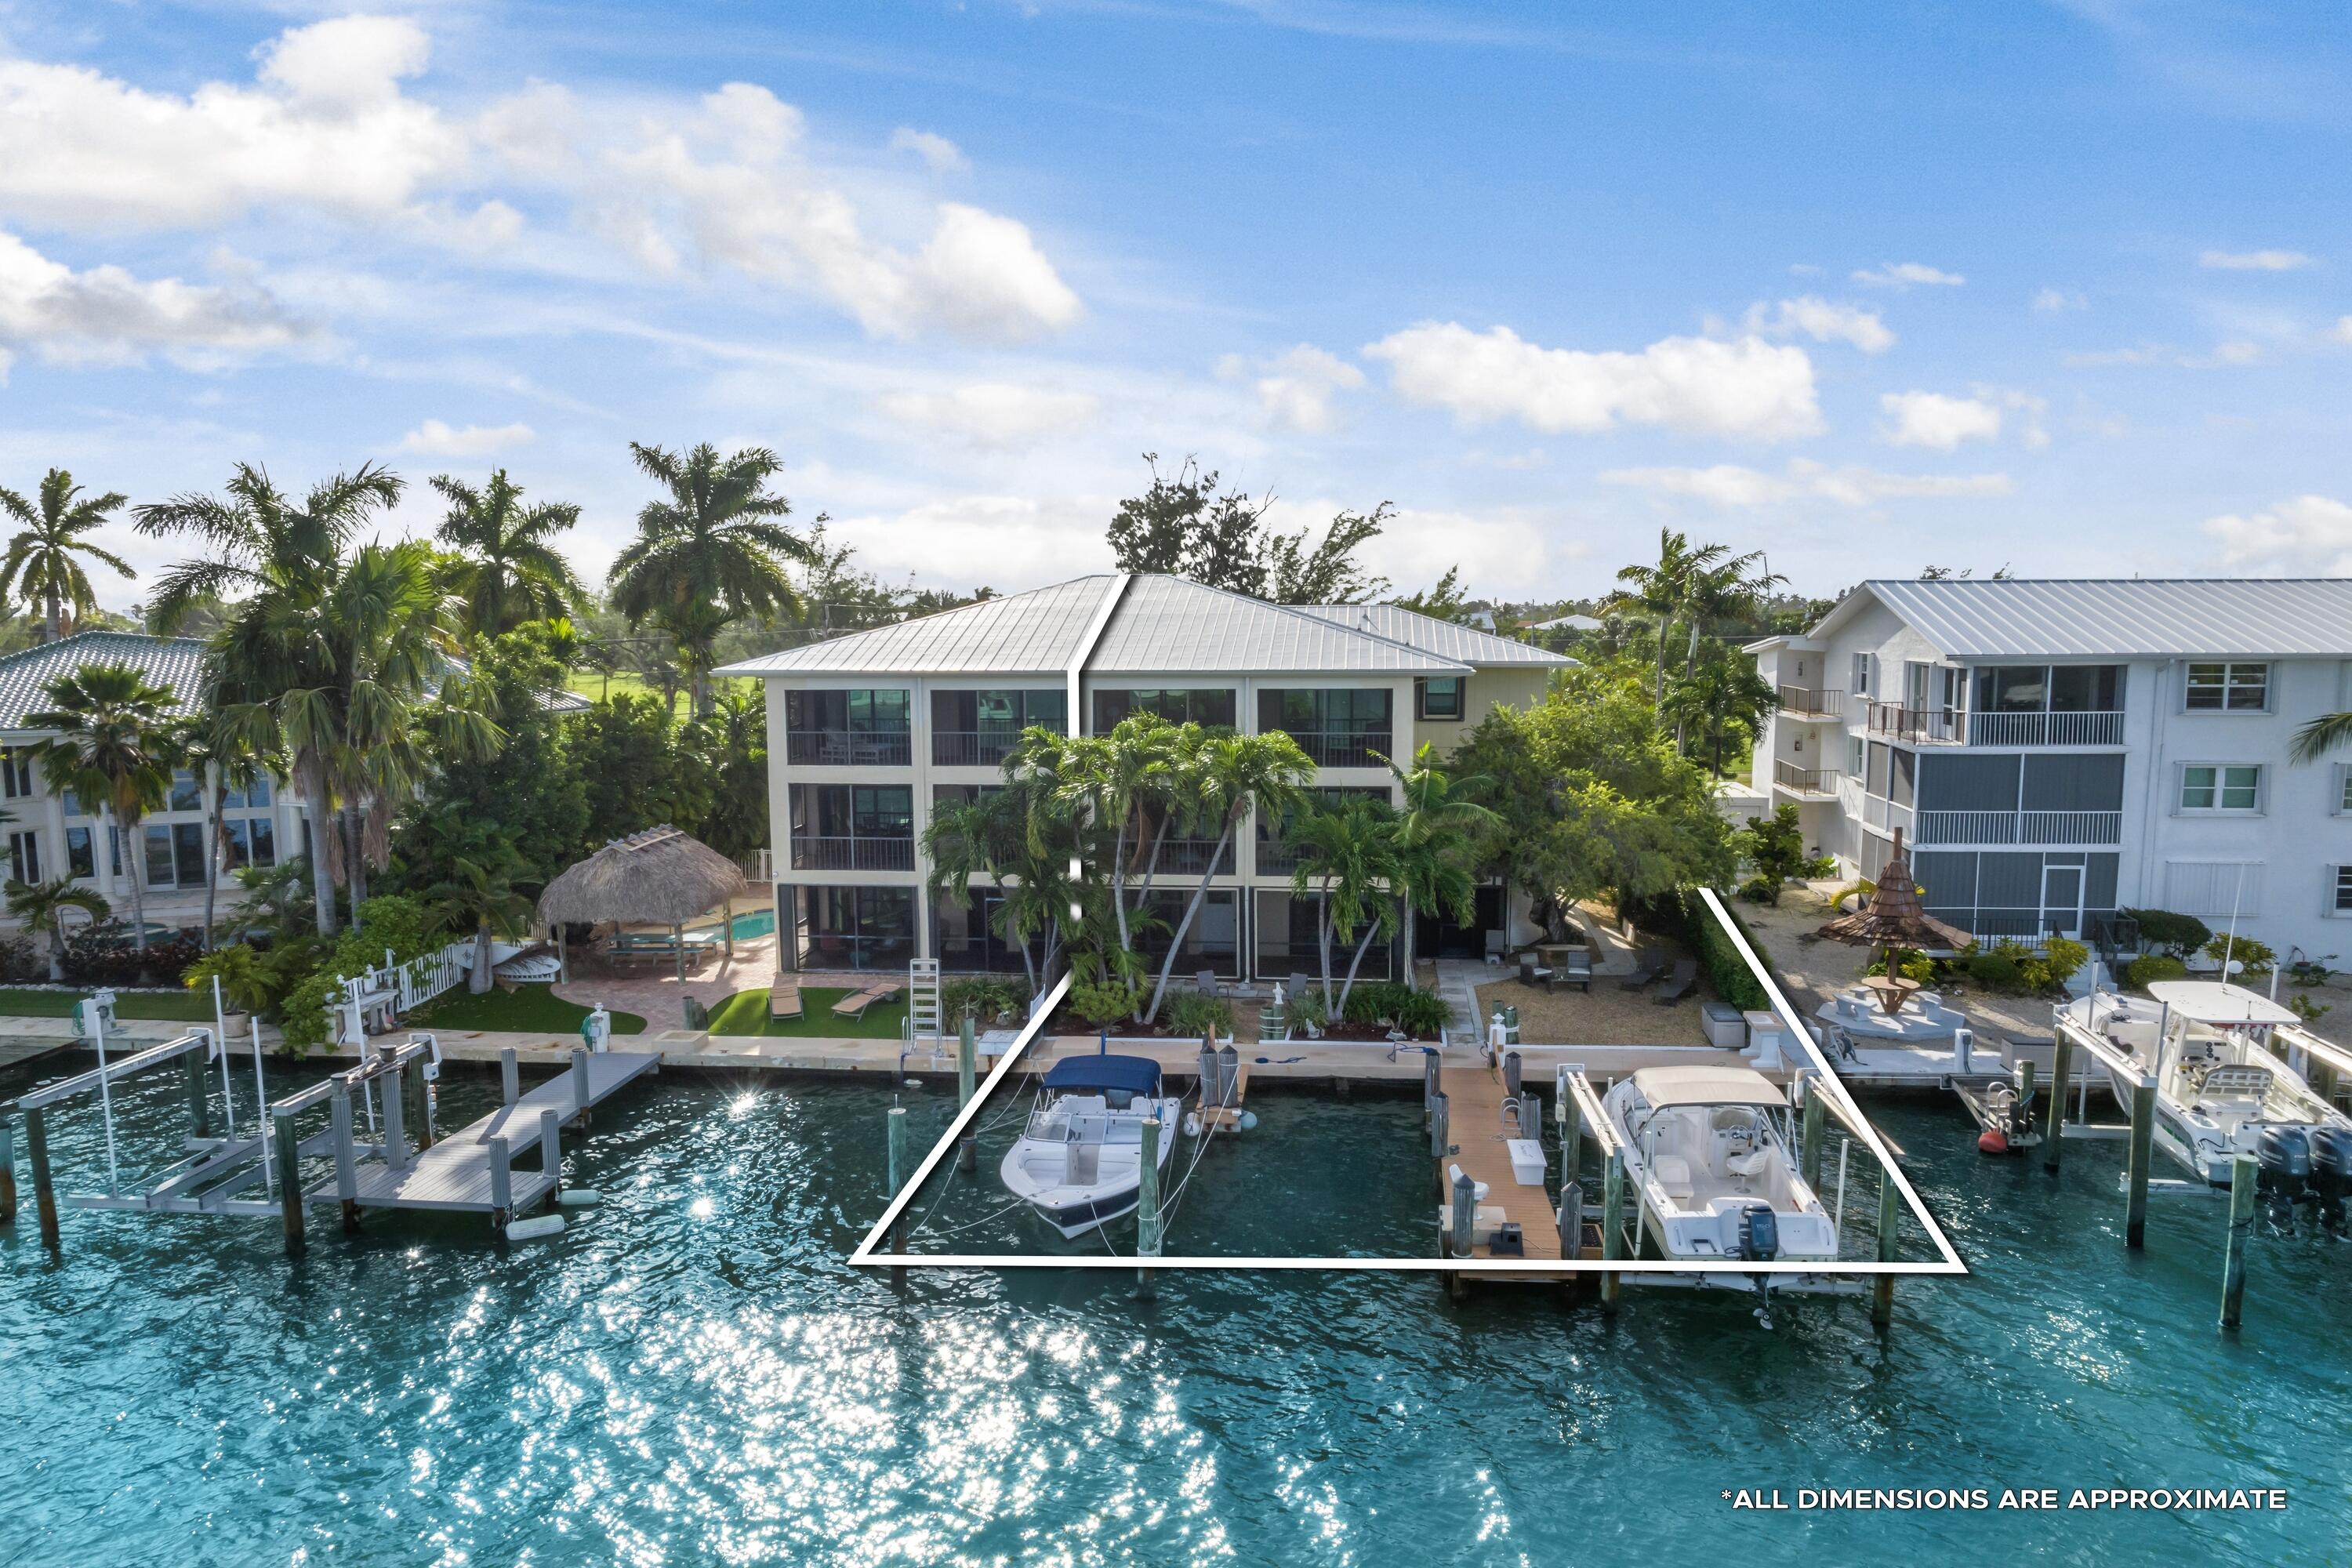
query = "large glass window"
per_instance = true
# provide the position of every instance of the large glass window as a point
(847, 728)
(79, 860)
(979, 728)
(25, 856)
(158, 841)
(244, 793)
(1338, 728)
(2221, 786)
(2344, 889)
(188, 853)
(856, 928)
(187, 795)
(16, 772)
(1211, 707)
(2228, 688)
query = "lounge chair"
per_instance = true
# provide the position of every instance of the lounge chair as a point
(784, 997)
(1679, 984)
(1647, 962)
(854, 1004)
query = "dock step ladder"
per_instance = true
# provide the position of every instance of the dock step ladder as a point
(923, 1002)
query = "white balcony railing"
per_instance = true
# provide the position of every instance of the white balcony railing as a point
(2021, 828)
(2098, 728)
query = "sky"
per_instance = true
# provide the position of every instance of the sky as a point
(2062, 288)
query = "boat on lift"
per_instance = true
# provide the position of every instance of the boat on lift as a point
(2222, 1087)
(1079, 1160)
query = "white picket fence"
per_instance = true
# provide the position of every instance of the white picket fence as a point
(401, 987)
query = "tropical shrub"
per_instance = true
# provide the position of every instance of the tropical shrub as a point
(2049, 969)
(1998, 970)
(101, 954)
(1420, 1013)
(20, 961)
(1917, 965)
(1191, 1016)
(1775, 847)
(2151, 967)
(245, 985)
(393, 922)
(984, 998)
(1104, 1002)
(1308, 1010)
(2257, 957)
(2305, 1008)
(1760, 890)
(2179, 935)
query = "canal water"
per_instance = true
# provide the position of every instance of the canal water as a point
(691, 1374)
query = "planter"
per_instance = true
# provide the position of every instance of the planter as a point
(237, 1027)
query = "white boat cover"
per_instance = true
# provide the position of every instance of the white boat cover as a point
(1706, 1086)
(2212, 1002)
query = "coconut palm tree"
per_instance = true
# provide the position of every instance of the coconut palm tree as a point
(2321, 736)
(41, 906)
(511, 570)
(1661, 591)
(114, 741)
(1348, 861)
(1227, 778)
(709, 553)
(42, 560)
(1440, 833)
(221, 752)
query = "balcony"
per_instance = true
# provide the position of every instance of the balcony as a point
(848, 748)
(1819, 783)
(2021, 828)
(1920, 726)
(2092, 729)
(1802, 703)
(1879, 812)
(853, 854)
(972, 748)
(1189, 857)
(1344, 748)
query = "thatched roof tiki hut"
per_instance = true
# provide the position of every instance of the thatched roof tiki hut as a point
(1896, 921)
(660, 877)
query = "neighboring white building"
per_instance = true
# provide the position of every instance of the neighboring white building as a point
(867, 731)
(2058, 749)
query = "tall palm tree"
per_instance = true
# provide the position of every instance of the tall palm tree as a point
(476, 895)
(709, 553)
(42, 907)
(1348, 861)
(1233, 775)
(2321, 736)
(221, 752)
(114, 741)
(42, 563)
(1661, 591)
(512, 570)
(1440, 835)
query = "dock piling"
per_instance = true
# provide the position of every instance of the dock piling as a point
(551, 1150)
(347, 1180)
(192, 1079)
(419, 1109)
(1612, 1234)
(2243, 1176)
(897, 1125)
(1147, 1208)
(1512, 1068)
(7, 1172)
(1571, 1217)
(502, 1186)
(509, 1076)
(2136, 1172)
(967, 1076)
(1466, 1211)
(1428, 1086)
(45, 1192)
(1809, 1157)
(580, 1084)
(289, 1177)
(2054, 1122)
(1439, 1133)
(1229, 1075)
(395, 1118)
(1890, 1215)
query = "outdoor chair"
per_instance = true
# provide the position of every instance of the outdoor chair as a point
(1207, 982)
(1647, 962)
(784, 997)
(1297, 984)
(1681, 984)
(1532, 973)
(854, 1004)
(1578, 972)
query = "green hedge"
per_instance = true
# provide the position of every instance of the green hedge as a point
(1684, 915)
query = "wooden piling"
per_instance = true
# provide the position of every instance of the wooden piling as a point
(967, 1077)
(1464, 1218)
(2054, 1120)
(509, 1076)
(7, 1172)
(347, 1177)
(2136, 1172)
(420, 1107)
(1816, 1128)
(551, 1150)
(501, 1183)
(290, 1178)
(395, 1118)
(1612, 1234)
(1571, 1139)
(1439, 1133)
(1890, 1215)
(2244, 1175)
(1147, 1206)
(45, 1192)
(1570, 1218)
(192, 1080)
(1513, 1066)
(580, 1084)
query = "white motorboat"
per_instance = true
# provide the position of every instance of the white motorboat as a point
(1707, 1149)
(2220, 1086)
(1079, 1162)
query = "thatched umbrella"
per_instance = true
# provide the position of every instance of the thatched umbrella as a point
(1895, 920)
(660, 877)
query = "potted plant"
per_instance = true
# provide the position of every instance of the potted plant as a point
(244, 985)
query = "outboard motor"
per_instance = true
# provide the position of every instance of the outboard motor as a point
(2283, 1154)
(1759, 1242)
(2331, 1173)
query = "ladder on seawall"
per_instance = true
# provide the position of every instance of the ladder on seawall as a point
(923, 1002)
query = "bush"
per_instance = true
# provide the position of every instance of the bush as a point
(1996, 971)
(101, 954)
(21, 961)
(246, 984)
(1308, 1009)
(1102, 1003)
(1760, 890)
(2149, 968)
(1422, 1015)
(2056, 964)
(2257, 957)
(1820, 868)
(1191, 1016)
(1775, 845)
(1408, 1009)
(2179, 935)
(1373, 1002)
(984, 998)
(1917, 965)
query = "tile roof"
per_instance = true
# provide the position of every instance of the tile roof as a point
(2121, 616)
(1447, 639)
(174, 662)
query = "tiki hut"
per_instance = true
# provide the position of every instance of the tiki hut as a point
(660, 877)
(1896, 921)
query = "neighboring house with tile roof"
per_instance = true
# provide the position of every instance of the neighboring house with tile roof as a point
(869, 731)
(2058, 749)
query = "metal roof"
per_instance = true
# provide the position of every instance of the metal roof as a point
(1174, 625)
(2140, 617)
(1035, 633)
(1447, 639)
(174, 662)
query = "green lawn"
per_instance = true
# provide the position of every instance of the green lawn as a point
(746, 1012)
(596, 686)
(526, 1010)
(175, 1006)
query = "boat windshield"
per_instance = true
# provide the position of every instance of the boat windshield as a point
(1062, 1123)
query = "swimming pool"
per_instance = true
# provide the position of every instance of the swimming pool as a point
(762, 923)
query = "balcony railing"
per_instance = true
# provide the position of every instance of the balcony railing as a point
(1804, 781)
(2094, 729)
(1276, 858)
(848, 748)
(1344, 748)
(1879, 812)
(972, 748)
(1189, 857)
(1917, 725)
(1803, 702)
(2021, 826)
(853, 854)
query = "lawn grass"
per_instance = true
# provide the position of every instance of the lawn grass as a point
(595, 685)
(525, 1010)
(170, 1006)
(746, 1012)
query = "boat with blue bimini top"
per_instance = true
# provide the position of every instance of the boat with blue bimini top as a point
(1079, 1162)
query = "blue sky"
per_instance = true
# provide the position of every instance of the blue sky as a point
(2064, 288)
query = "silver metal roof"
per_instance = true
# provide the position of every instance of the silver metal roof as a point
(2121, 616)
(1447, 639)
(1020, 634)
(1175, 625)
(177, 663)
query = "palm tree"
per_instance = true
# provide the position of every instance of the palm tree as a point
(476, 895)
(2321, 736)
(1440, 835)
(1661, 591)
(511, 570)
(221, 752)
(1348, 861)
(1230, 776)
(115, 742)
(41, 562)
(1127, 784)
(42, 907)
(709, 554)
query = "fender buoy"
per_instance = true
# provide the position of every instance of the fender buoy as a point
(1992, 1142)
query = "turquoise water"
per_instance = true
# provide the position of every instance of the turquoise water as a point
(762, 923)
(692, 1375)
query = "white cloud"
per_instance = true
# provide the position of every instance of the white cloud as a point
(2056, 299)
(990, 413)
(2308, 533)
(1823, 323)
(938, 154)
(1732, 485)
(1742, 387)
(437, 438)
(1933, 420)
(106, 316)
(1903, 274)
(2254, 261)
(1295, 388)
